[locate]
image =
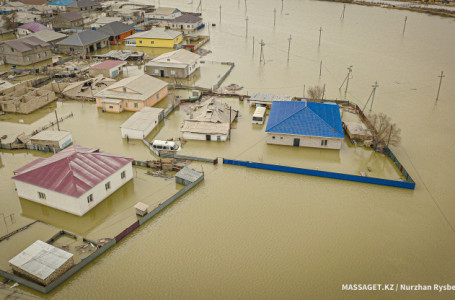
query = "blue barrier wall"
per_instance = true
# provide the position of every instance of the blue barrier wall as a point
(371, 180)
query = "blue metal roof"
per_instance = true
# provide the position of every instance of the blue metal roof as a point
(305, 118)
(61, 2)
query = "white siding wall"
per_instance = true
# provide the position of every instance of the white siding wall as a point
(77, 206)
(64, 140)
(191, 69)
(305, 141)
(202, 137)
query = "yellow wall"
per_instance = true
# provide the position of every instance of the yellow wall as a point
(157, 43)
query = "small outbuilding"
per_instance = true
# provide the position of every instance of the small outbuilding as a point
(186, 176)
(141, 209)
(357, 131)
(55, 139)
(139, 125)
(267, 99)
(107, 68)
(41, 262)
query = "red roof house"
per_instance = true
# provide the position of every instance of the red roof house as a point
(74, 180)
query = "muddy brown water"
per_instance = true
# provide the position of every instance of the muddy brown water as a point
(246, 233)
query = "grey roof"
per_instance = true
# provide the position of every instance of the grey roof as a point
(48, 35)
(115, 28)
(41, 259)
(187, 18)
(83, 3)
(84, 38)
(26, 43)
(269, 97)
(142, 119)
(51, 135)
(188, 174)
(71, 16)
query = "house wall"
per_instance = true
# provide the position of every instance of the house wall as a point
(82, 9)
(60, 22)
(155, 70)
(15, 57)
(203, 137)
(187, 27)
(120, 38)
(24, 100)
(139, 134)
(68, 49)
(109, 107)
(62, 143)
(154, 99)
(159, 43)
(305, 141)
(77, 206)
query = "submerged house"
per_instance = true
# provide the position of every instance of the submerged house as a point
(25, 51)
(187, 23)
(84, 42)
(177, 64)
(108, 68)
(132, 94)
(210, 121)
(74, 180)
(68, 20)
(117, 31)
(155, 38)
(141, 123)
(83, 6)
(48, 36)
(164, 14)
(305, 124)
(32, 27)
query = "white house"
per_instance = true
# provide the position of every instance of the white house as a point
(164, 13)
(305, 124)
(186, 22)
(74, 180)
(139, 125)
(175, 64)
(210, 121)
(55, 139)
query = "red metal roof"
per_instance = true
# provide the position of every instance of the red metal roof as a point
(108, 64)
(72, 171)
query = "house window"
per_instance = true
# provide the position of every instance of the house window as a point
(90, 198)
(45, 54)
(123, 174)
(140, 42)
(12, 49)
(126, 104)
(273, 137)
(153, 42)
(156, 71)
(111, 107)
(172, 72)
(28, 58)
(71, 49)
(158, 96)
(323, 142)
(136, 105)
(281, 137)
(42, 196)
(107, 185)
(39, 55)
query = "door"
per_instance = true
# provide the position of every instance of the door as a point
(162, 73)
(296, 142)
(207, 137)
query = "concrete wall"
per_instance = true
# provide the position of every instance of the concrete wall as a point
(25, 100)
(77, 206)
(155, 70)
(14, 57)
(68, 49)
(305, 141)
(60, 22)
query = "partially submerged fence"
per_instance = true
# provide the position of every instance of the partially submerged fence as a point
(317, 173)
(101, 250)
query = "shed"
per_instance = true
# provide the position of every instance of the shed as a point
(108, 68)
(140, 124)
(267, 99)
(56, 139)
(42, 262)
(187, 176)
(141, 209)
(357, 131)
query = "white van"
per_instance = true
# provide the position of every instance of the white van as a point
(157, 146)
(259, 115)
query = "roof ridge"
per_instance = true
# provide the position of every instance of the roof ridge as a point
(323, 120)
(288, 116)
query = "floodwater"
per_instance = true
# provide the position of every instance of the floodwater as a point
(245, 233)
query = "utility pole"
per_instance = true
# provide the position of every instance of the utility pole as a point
(320, 32)
(282, 5)
(346, 79)
(274, 17)
(246, 8)
(58, 126)
(320, 69)
(304, 91)
(289, 47)
(246, 19)
(199, 7)
(440, 81)
(220, 13)
(404, 26)
(373, 92)
(342, 14)
(261, 57)
(323, 92)
(253, 44)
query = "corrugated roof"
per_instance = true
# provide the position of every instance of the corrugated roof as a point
(34, 27)
(83, 3)
(213, 111)
(41, 259)
(71, 16)
(142, 119)
(115, 28)
(176, 57)
(187, 18)
(26, 43)
(48, 36)
(72, 171)
(51, 135)
(188, 174)
(61, 2)
(205, 127)
(108, 64)
(305, 118)
(157, 33)
(84, 38)
(144, 86)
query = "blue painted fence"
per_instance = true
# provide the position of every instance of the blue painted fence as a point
(333, 175)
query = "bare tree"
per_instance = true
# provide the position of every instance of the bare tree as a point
(384, 132)
(10, 20)
(315, 92)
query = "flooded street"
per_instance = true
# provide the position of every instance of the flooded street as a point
(247, 233)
